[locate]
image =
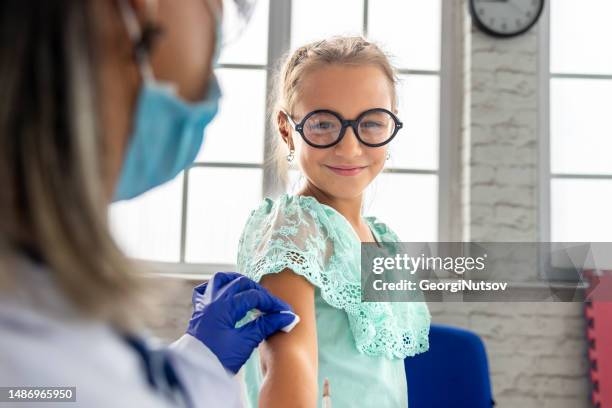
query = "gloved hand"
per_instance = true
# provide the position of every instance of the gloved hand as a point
(223, 301)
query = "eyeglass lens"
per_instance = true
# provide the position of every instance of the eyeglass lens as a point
(323, 128)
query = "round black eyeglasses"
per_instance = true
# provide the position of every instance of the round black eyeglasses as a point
(325, 128)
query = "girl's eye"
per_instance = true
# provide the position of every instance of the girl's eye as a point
(372, 124)
(322, 126)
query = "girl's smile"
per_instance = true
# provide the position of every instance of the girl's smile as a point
(346, 170)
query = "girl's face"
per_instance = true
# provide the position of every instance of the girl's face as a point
(349, 91)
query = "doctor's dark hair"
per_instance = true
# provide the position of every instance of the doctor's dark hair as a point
(53, 204)
(346, 51)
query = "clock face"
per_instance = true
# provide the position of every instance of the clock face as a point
(506, 18)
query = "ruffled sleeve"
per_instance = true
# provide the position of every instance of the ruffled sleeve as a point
(318, 243)
(286, 234)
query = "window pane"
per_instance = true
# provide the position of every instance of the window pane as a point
(220, 201)
(579, 210)
(580, 126)
(416, 144)
(408, 203)
(409, 30)
(236, 134)
(580, 33)
(316, 19)
(252, 45)
(149, 226)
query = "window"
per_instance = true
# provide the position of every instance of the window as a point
(577, 184)
(193, 223)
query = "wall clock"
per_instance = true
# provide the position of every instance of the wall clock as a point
(505, 18)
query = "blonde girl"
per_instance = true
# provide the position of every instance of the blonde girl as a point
(336, 114)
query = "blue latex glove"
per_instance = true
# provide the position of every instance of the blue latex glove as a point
(223, 301)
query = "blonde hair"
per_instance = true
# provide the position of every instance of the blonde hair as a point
(352, 51)
(53, 204)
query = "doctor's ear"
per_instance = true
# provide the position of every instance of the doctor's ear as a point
(146, 10)
(143, 23)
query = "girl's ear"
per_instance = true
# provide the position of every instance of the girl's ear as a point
(284, 128)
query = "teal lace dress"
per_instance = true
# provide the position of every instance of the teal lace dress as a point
(361, 345)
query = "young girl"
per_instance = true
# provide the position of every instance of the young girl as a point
(336, 116)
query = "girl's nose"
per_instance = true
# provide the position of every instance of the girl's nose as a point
(349, 146)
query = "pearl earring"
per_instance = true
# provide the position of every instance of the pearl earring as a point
(388, 155)
(291, 156)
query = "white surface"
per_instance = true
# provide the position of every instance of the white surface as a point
(219, 203)
(252, 45)
(416, 145)
(580, 126)
(149, 226)
(409, 30)
(317, 19)
(237, 133)
(407, 203)
(291, 325)
(580, 33)
(201, 372)
(581, 210)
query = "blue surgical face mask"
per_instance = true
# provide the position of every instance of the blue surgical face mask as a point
(167, 131)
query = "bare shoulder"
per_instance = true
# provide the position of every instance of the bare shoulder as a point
(287, 285)
(299, 293)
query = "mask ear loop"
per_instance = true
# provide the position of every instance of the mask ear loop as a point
(143, 38)
(217, 14)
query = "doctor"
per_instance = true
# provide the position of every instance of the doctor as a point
(102, 101)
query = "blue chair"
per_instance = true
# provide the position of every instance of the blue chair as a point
(453, 373)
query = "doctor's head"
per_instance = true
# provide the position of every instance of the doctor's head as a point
(79, 83)
(336, 114)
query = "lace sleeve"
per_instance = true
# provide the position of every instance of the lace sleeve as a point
(316, 242)
(285, 235)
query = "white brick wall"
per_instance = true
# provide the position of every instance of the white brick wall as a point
(537, 351)
(502, 144)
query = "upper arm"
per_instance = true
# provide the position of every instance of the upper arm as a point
(290, 359)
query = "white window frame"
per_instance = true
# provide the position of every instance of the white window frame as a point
(544, 75)
(546, 176)
(450, 117)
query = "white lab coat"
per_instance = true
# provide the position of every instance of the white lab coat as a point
(41, 346)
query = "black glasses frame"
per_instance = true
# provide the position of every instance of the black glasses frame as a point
(299, 127)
